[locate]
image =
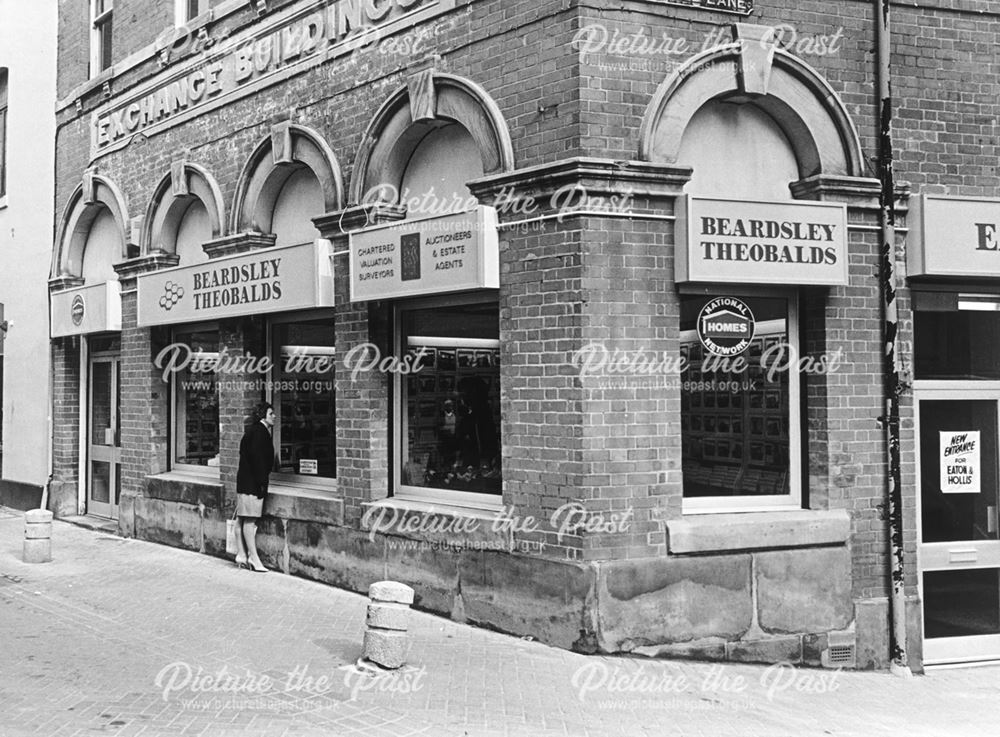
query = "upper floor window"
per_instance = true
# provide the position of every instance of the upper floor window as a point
(187, 10)
(100, 35)
(3, 132)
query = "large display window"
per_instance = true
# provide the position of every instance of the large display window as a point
(195, 430)
(448, 415)
(302, 393)
(740, 412)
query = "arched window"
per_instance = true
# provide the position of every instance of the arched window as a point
(194, 229)
(437, 171)
(298, 202)
(102, 250)
(737, 151)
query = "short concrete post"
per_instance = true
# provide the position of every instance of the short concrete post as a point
(37, 536)
(388, 619)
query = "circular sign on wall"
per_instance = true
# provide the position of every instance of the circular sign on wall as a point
(725, 326)
(77, 310)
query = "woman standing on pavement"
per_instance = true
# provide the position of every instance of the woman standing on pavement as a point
(256, 461)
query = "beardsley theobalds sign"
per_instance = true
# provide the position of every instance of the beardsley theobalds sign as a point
(747, 242)
(267, 280)
(742, 7)
(291, 41)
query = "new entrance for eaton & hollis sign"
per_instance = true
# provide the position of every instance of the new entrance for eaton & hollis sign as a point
(748, 242)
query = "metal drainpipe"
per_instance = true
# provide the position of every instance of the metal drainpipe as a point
(890, 323)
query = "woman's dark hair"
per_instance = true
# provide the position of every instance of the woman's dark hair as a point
(260, 411)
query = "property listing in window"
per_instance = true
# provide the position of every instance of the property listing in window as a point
(740, 435)
(451, 406)
(196, 401)
(303, 397)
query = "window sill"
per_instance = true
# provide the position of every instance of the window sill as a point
(437, 524)
(302, 503)
(186, 488)
(717, 533)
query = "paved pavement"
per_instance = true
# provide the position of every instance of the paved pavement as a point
(123, 637)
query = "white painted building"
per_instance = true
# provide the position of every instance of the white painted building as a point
(27, 134)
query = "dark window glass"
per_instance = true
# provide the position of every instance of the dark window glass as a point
(451, 428)
(196, 422)
(303, 398)
(735, 425)
(953, 343)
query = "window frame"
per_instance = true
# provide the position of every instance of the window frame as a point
(4, 107)
(182, 15)
(298, 480)
(796, 425)
(175, 414)
(444, 497)
(101, 36)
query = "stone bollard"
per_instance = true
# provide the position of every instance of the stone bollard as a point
(388, 619)
(37, 536)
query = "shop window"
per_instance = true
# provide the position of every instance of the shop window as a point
(302, 393)
(196, 402)
(740, 428)
(956, 336)
(100, 35)
(3, 132)
(449, 412)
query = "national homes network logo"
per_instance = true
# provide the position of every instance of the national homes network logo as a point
(172, 293)
(726, 326)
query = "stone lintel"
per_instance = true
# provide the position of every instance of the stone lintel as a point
(61, 283)
(231, 245)
(133, 267)
(339, 224)
(535, 190)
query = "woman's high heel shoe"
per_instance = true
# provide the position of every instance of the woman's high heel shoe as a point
(242, 562)
(255, 569)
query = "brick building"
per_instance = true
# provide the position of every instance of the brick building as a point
(569, 312)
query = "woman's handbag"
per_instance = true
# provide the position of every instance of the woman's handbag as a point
(232, 530)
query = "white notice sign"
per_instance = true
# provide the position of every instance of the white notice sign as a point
(451, 253)
(960, 462)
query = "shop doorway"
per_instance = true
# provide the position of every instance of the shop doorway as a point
(959, 544)
(103, 468)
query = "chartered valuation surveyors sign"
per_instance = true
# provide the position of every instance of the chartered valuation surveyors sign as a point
(747, 242)
(436, 255)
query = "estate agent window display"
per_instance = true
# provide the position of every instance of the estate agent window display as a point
(301, 389)
(740, 425)
(195, 430)
(448, 412)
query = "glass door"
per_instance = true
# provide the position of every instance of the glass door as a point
(959, 551)
(103, 437)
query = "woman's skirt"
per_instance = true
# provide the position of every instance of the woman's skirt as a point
(248, 505)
